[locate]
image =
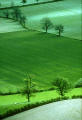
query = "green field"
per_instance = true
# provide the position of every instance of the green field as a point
(43, 56)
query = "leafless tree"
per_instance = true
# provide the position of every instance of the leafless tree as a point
(28, 87)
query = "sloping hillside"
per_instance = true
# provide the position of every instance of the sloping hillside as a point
(43, 56)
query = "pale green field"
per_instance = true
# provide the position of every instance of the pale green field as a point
(67, 13)
(7, 25)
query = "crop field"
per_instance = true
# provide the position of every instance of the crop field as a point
(44, 56)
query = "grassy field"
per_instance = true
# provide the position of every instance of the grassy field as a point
(12, 102)
(43, 56)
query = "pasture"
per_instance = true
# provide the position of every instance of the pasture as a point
(43, 56)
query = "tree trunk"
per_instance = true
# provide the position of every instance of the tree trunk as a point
(61, 92)
(46, 29)
(28, 97)
(59, 33)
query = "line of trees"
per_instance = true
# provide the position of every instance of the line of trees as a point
(16, 15)
(47, 24)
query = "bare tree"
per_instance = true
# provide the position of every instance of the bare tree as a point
(46, 24)
(28, 87)
(60, 29)
(62, 85)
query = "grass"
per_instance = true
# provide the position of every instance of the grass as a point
(12, 102)
(44, 56)
(36, 97)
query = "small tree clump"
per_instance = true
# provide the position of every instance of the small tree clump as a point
(46, 24)
(62, 85)
(60, 29)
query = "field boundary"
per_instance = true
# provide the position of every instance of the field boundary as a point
(34, 4)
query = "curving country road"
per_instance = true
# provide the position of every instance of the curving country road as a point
(62, 110)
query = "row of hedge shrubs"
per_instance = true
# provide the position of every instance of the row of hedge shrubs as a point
(30, 106)
(9, 92)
